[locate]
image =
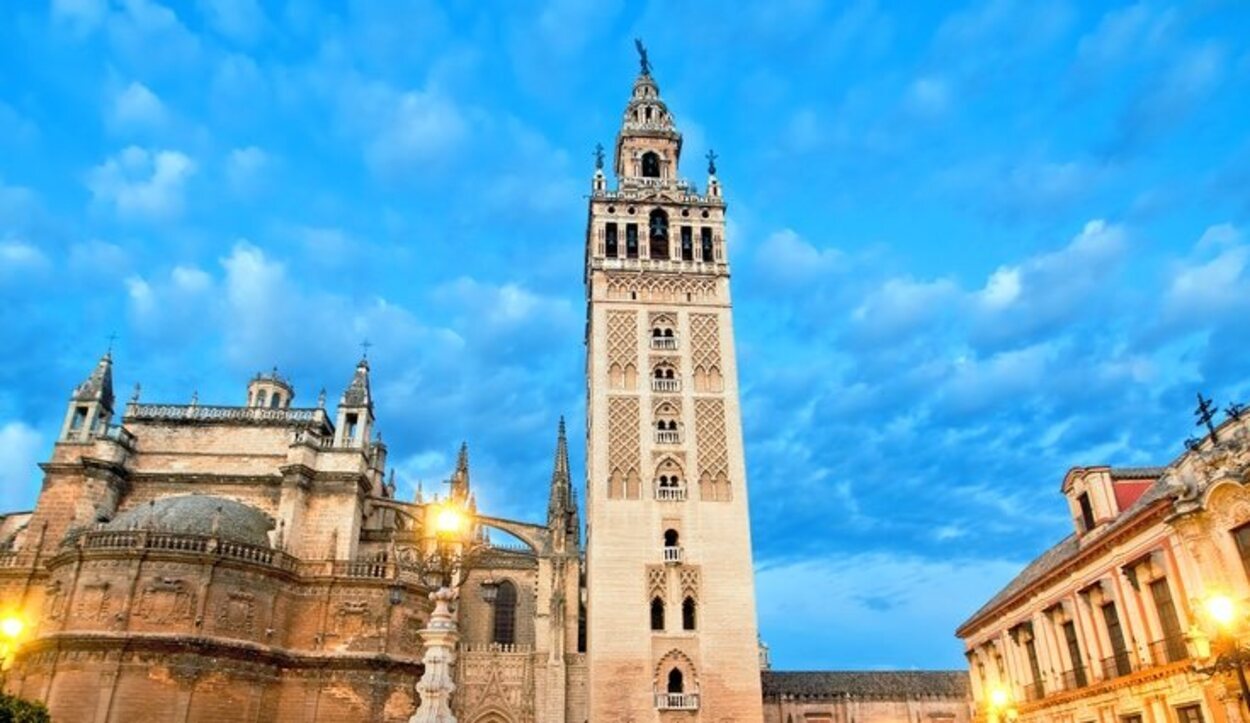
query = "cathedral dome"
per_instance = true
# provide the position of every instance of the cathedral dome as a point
(198, 515)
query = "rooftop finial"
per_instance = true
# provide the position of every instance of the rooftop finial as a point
(598, 156)
(711, 162)
(643, 62)
(112, 338)
(364, 349)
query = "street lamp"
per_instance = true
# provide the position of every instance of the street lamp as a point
(1224, 649)
(999, 704)
(444, 568)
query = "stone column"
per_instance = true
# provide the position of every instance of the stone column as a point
(436, 686)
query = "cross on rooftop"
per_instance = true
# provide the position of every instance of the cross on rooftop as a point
(1205, 413)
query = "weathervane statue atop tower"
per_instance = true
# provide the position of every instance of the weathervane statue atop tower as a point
(642, 57)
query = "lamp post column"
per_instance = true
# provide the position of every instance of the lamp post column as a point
(436, 684)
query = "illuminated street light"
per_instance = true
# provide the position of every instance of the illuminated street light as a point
(1223, 649)
(11, 628)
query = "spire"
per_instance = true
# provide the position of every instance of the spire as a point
(648, 145)
(460, 478)
(562, 503)
(98, 386)
(358, 393)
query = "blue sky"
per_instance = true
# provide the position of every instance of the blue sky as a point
(972, 246)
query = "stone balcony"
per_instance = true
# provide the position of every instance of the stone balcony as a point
(677, 701)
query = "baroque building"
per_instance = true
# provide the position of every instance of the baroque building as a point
(252, 562)
(1109, 625)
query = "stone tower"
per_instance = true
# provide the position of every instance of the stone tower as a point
(670, 588)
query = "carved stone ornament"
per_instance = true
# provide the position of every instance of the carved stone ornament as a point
(166, 600)
(237, 613)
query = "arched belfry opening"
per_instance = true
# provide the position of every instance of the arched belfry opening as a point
(650, 165)
(676, 681)
(658, 226)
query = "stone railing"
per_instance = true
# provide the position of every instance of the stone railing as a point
(496, 648)
(677, 701)
(672, 555)
(204, 413)
(11, 558)
(670, 494)
(670, 265)
(665, 385)
(150, 540)
(664, 342)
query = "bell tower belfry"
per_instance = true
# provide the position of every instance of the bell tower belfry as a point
(670, 588)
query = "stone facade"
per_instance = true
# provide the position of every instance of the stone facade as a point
(670, 586)
(1106, 625)
(251, 563)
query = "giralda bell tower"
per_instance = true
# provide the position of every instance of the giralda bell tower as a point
(671, 596)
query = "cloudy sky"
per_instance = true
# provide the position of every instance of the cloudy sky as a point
(972, 247)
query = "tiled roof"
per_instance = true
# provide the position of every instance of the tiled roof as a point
(865, 684)
(1137, 472)
(1068, 547)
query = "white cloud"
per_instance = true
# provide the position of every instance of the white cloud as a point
(787, 257)
(1002, 288)
(1214, 280)
(240, 20)
(20, 449)
(139, 183)
(928, 97)
(901, 305)
(97, 257)
(82, 16)
(411, 128)
(136, 106)
(21, 256)
(245, 168)
(1123, 32)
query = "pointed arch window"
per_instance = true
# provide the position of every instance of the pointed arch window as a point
(609, 240)
(676, 681)
(705, 242)
(504, 632)
(650, 160)
(687, 243)
(657, 614)
(631, 240)
(688, 609)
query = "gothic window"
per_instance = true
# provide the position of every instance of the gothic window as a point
(650, 160)
(659, 234)
(705, 239)
(687, 614)
(670, 538)
(676, 682)
(609, 240)
(657, 614)
(505, 614)
(687, 243)
(662, 335)
(631, 240)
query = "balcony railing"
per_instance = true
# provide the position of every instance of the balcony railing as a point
(670, 494)
(1118, 665)
(1168, 650)
(664, 342)
(667, 436)
(666, 385)
(179, 542)
(1034, 691)
(1073, 679)
(677, 701)
(672, 555)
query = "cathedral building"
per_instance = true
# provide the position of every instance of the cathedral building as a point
(251, 562)
(1114, 623)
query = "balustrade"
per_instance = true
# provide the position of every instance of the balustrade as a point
(666, 385)
(670, 494)
(667, 437)
(672, 555)
(677, 701)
